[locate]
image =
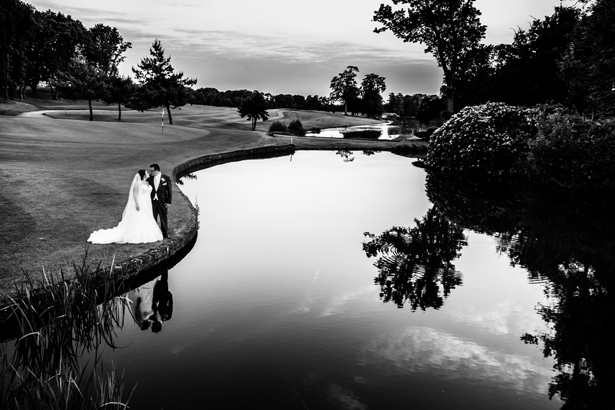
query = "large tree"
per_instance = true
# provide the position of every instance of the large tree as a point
(372, 87)
(255, 108)
(161, 85)
(119, 90)
(16, 24)
(56, 41)
(450, 30)
(344, 86)
(105, 48)
(589, 65)
(527, 73)
(82, 81)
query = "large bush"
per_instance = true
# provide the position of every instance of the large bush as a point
(296, 128)
(471, 158)
(278, 126)
(482, 141)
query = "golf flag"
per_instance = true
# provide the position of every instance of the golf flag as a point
(162, 120)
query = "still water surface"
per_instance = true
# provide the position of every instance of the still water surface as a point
(276, 305)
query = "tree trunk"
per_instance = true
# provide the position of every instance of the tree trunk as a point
(91, 112)
(5, 76)
(253, 123)
(449, 105)
(169, 112)
(119, 111)
(53, 93)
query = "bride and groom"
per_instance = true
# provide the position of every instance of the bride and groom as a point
(148, 200)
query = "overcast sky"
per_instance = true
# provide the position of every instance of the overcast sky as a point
(283, 46)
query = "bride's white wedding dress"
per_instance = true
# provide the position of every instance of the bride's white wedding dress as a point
(135, 226)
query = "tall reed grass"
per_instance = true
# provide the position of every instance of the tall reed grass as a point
(54, 323)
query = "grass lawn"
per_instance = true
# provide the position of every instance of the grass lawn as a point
(63, 176)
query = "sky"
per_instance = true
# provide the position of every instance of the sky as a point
(284, 46)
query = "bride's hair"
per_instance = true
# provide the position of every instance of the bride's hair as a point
(141, 173)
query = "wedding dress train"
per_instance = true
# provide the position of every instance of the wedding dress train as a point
(135, 226)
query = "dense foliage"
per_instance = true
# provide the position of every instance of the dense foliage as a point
(588, 65)
(278, 126)
(56, 50)
(503, 144)
(574, 153)
(483, 141)
(296, 128)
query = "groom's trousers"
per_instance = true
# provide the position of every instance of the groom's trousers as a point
(160, 211)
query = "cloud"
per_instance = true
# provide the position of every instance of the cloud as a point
(285, 50)
(423, 349)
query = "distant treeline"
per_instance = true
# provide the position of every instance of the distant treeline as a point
(424, 107)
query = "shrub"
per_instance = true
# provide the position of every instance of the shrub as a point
(278, 126)
(481, 141)
(471, 158)
(296, 128)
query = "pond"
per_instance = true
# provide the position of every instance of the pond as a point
(352, 280)
(393, 130)
(278, 305)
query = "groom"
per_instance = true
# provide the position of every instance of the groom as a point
(161, 196)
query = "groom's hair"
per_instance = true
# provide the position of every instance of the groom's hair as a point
(155, 166)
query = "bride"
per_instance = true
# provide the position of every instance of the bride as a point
(138, 224)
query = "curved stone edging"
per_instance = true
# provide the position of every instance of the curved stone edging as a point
(208, 161)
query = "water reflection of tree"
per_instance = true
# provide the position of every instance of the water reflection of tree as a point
(565, 239)
(415, 264)
(581, 319)
(569, 241)
(348, 156)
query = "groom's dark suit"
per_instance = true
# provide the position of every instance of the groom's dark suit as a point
(161, 196)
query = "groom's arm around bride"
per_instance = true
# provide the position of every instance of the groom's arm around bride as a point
(162, 195)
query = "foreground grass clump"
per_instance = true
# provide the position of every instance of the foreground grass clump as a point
(46, 329)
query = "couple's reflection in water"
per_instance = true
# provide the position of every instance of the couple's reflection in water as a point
(152, 303)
